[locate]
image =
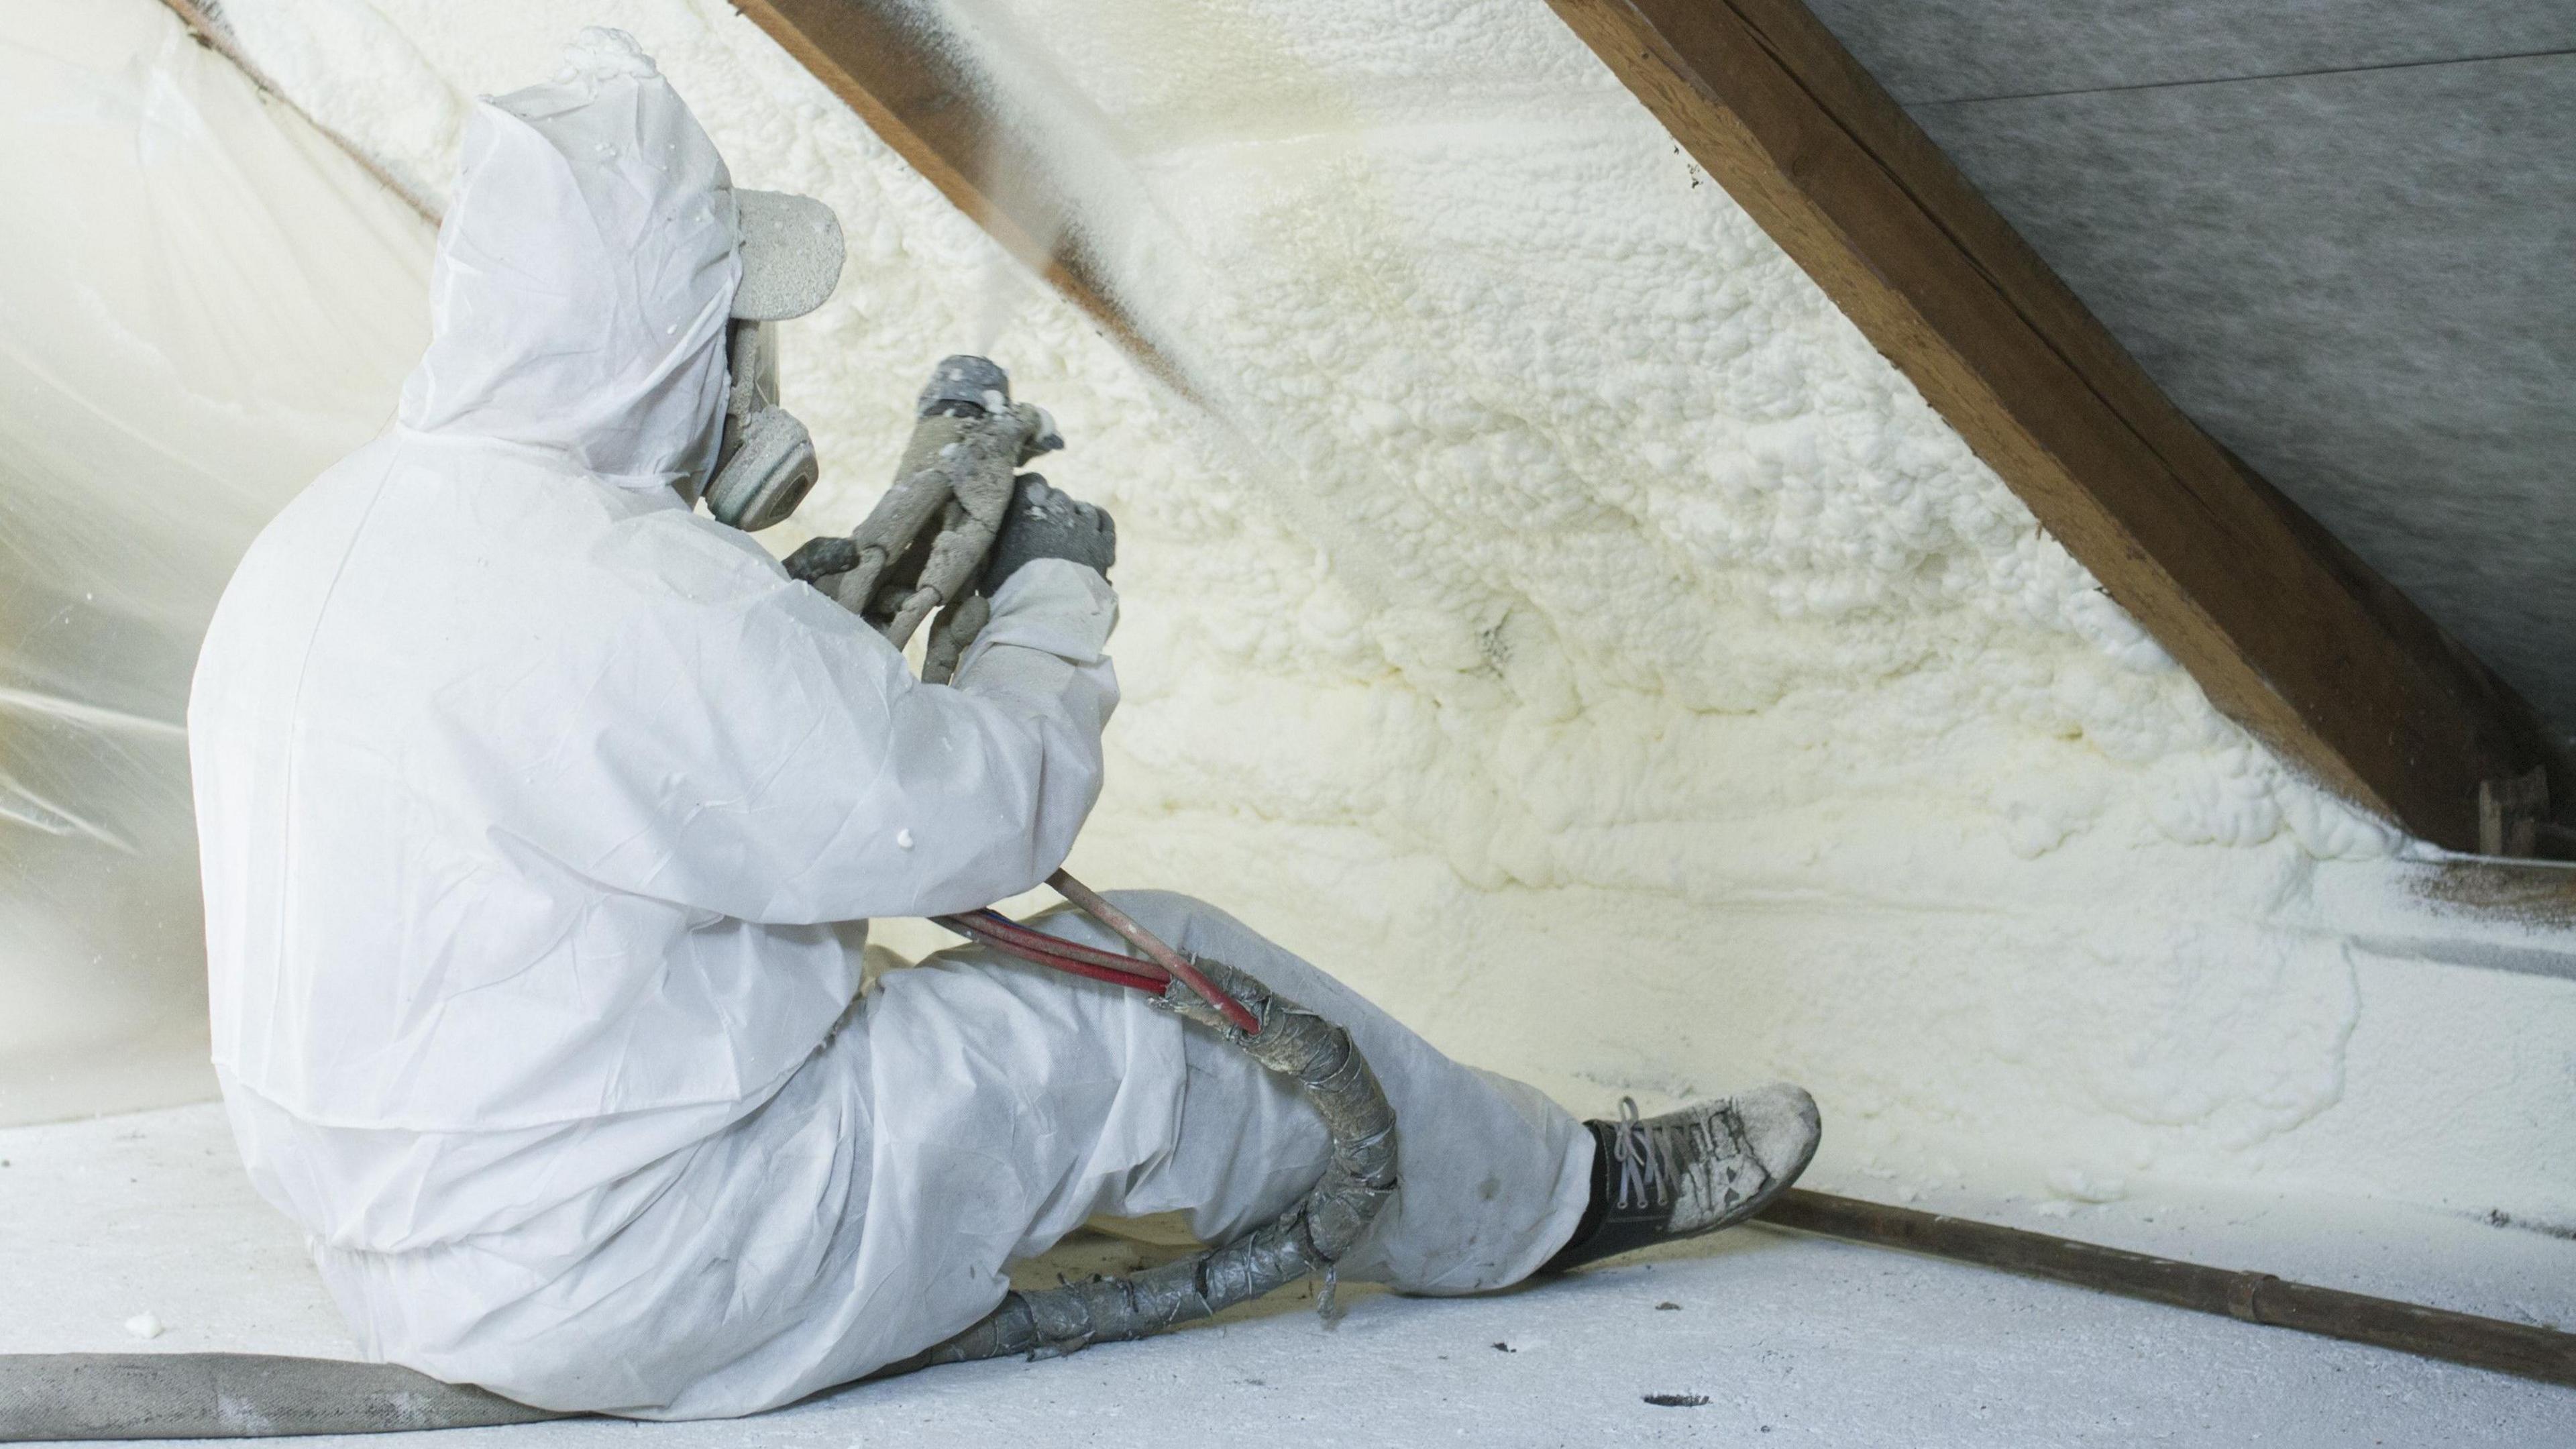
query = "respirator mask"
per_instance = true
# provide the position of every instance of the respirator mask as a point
(765, 464)
(791, 259)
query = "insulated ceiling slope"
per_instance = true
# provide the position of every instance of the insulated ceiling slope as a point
(1548, 612)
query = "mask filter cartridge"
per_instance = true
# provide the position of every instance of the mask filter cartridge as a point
(765, 464)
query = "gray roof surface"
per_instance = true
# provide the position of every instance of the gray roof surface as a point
(2341, 233)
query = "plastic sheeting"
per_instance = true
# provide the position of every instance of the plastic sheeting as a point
(202, 303)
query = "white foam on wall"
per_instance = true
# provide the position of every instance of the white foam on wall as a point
(1560, 622)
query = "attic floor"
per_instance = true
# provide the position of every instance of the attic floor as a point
(1789, 1339)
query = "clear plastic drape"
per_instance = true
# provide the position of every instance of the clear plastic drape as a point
(202, 303)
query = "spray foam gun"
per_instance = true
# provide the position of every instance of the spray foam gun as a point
(922, 546)
(920, 549)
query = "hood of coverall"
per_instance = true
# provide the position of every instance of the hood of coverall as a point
(584, 271)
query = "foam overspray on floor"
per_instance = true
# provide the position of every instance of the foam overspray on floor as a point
(1750, 1338)
(1556, 619)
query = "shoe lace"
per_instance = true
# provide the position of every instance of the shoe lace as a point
(1651, 1157)
(1643, 1158)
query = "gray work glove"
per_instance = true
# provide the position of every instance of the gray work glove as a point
(1045, 522)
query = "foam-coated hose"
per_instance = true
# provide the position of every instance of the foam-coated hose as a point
(1309, 1238)
(244, 1396)
(85, 1396)
(231, 1396)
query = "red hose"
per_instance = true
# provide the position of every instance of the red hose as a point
(1152, 945)
(973, 929)
(1029, 936)
(1013, 939)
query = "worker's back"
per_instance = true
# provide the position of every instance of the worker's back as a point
(441, 709)
(537, 813)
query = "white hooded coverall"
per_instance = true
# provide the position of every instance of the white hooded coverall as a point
(541, 818)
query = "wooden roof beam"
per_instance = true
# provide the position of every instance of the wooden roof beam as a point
(908, 83)
(2289, 633)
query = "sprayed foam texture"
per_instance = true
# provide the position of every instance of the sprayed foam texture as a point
(1554, 618)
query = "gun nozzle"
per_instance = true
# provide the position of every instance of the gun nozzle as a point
(966, 386)
(1041, 434)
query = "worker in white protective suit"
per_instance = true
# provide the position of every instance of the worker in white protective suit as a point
(542, 816)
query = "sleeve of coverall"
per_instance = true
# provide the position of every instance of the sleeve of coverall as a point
(1039, 661)
(792, 771)
(986, 781)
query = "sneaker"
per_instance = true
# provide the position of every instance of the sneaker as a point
(1705, 1167)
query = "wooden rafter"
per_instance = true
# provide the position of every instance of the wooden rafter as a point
(910, 86)
(2286, 630)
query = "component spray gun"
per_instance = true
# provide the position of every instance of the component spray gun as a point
(921, 548)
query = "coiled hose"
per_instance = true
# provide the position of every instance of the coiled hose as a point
(1309, 1238)
(249, 1396)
